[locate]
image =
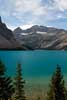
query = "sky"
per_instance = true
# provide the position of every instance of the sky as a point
(26, 13)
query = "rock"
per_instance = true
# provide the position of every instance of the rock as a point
(41, 37)
(7, 38)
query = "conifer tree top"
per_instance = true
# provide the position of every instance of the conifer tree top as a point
(57, 87)
(0, 20)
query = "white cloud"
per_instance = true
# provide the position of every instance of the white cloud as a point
(11, 27)
(29, 12)
(33, 6)
(60, 4)
(59, 16)
(26, 26)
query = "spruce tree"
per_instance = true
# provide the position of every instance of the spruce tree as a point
(57, 88)
(19, 84)
(2, 72)
(0, 20)
(6, 87)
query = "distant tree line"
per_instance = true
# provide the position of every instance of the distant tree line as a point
(14, 89)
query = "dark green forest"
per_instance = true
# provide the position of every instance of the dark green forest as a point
(14, 89)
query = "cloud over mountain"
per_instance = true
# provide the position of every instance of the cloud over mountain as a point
(27, 12)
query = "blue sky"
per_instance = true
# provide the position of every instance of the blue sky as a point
(25, 13)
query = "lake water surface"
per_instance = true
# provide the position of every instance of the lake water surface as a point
(37, 66)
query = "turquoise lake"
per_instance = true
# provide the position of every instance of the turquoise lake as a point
(37, 66)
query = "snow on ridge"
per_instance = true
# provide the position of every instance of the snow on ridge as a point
(24, 33)
(45, 33)
(38, 32)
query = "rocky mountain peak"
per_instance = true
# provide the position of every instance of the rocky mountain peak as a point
(42, 37)
(36, 28)
(18, 30)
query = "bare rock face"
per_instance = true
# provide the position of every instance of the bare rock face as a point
(34, 38)
(7, 39)
(41, 37)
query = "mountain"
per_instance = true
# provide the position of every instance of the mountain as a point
(7, 38)
(41, 37)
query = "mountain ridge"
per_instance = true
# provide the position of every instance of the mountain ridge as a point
(35, 38)
(37, 27)
(43, 38)
(7, 39)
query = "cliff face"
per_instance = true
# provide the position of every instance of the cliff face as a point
(36, 37)
(7, 38)
(41, 37)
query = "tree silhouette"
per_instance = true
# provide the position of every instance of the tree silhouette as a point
(6, 87)
(19, 84)
(57, 88)
(2, 72)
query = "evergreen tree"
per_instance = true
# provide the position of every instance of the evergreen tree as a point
(6, 87)
(57, 88)
(2, 72)
(19, 84)
(2, 69)
(0, 20)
